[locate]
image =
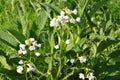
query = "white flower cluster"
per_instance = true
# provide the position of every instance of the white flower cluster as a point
(32, 44)
(65, 17)
(21, 65)
(90, 76)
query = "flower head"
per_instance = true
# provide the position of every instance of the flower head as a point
(56, 46)
(19, 69)
(20, 62)
(72, 20)
(31, 48)
(81, 76)
(37, 54)
(22, 46)
(78, 19)
(91, 76)
(54, 22)
(30, 68)
(67, 41)
(72, 61)
(82, 59)
(74, 11)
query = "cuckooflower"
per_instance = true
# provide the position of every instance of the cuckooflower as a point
(39, 45)
(22, 51)
(91, 76)
(56, 46)
(67, 41)
(72, 20)
(37, 54)
(81, 76)
(22, 46)
(19, 69)
(54, 22)
(20, 62)
(82, 59)
(74, 11)
(30, 68)
(72, 61)
(32, 39)
(78, 19)
(31, 48)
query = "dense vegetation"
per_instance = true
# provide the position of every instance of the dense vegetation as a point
(59, 39)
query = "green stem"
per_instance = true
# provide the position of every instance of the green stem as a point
(71, 73)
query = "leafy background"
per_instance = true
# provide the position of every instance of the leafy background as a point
(97, 35)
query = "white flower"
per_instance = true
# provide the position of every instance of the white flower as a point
(78, 19)
(74, 11)
(19, 69)
(81, 76)
(30, 68)
(72, 20)
(22, 46)
(62, 13)
(32, 39)
(39, 45)
(22, 51)
(54, 22)
(31, 48)
(56, 46)
(91, 76)
(82, 59)
(72, 61)
(37, 54)
(27, 42)
(62, 18)
(34, 43)
(67, 41)
(20, 62)
(68, 11)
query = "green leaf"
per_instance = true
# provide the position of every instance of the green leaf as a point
(105, 44)
(18, 36)
(7, 39)
(97, 6)
(52, 7)
(41, 21)
(4, 62)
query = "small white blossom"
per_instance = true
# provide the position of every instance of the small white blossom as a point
(56, 46)
(22, 46)
(91, 76)
(39, 45)
(19, 69)
(32, 39)
(67, 41)
(20, 62)
(31, 48)
(30, 68)
(62, 13)
(54, 22)
(63, 19)
(22, 51)
(82, 59)
(72, 20)
(78, 19)
(34, 43)
(74, 11)
(37, 54)
(68, 11)
(72, 61)
(81, 76)
(27, 42)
